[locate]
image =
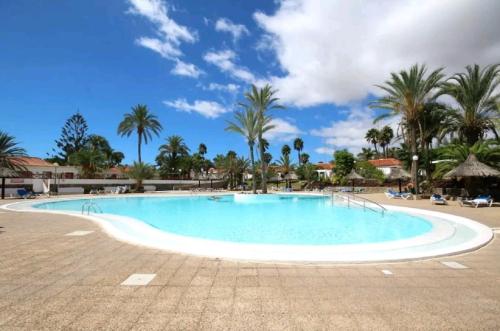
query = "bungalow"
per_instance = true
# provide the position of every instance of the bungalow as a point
(324, 170)
(35, 167)
(387, 166)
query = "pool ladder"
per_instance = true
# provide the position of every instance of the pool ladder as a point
(89, 206)
(352, 199)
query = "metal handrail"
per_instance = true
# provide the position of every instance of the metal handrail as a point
(360, 201)
(91, 205)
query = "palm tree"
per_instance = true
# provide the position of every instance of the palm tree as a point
(202, 149)
(92, 161)
(452, 155)
(286, 165)
(298, 145)
(140, 171)
(366, 154)
(372, 136)
(247, 124)
(304, 158)
(476, 94)
(385, 138)
(10, 153)
(141, 121)
(286, 150)
(406, 94)
(262, 100)
(172, 151)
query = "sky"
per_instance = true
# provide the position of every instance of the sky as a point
(190, 62)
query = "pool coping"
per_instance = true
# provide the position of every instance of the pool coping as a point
(351, 253)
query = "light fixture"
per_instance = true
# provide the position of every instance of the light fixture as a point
(415, 157)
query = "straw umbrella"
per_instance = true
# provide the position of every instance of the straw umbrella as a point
(353, 175)
(471, 167)
(399, 174)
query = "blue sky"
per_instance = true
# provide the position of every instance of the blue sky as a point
(190, 62)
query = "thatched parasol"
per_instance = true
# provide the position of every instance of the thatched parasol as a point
(472, 168)
(399, 174)
(353, 175)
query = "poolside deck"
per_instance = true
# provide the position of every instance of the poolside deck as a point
(49, 280)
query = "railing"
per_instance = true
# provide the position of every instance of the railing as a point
(357, 200)
(91, 205)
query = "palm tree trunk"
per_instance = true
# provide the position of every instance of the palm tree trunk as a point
(252, 160)
(263, 166)
(413, 148)
(139, 142)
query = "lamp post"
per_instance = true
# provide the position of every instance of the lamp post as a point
(415, 158)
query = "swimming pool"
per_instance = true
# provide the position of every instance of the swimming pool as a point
(277, 227)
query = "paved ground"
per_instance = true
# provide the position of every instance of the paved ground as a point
(52, 281)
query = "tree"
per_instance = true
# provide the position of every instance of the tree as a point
(298, 145)
(140, 171)
(202, 149)
(92, 161)
(344, 163)
(142, 122)
(246, 123)
(304, 158)
(73, 137)
(487, 152)
(262, 100)
(406, 94)
(116, 158)
(307, 171)
(285, 150)
(476, 94)
(369, 171)
(234, 167)
(10, 152)
(366, 154)
(171, 154)
(286, 166)
(385, 137)
(372, 136)
(101, 144)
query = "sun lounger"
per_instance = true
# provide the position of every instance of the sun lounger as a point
(437, 199)
(480, 200)
(396, 195)
(25, 194)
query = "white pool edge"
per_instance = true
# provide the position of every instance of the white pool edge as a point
(148, 236)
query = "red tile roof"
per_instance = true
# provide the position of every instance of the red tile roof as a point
(31, 161)
(324, 166)
(390, 162)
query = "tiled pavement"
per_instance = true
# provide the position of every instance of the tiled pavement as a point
(51, 281)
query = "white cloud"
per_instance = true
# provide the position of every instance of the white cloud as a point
(350, 132)
(169, 34)
(283, 131)
(335, 51)
(186, 69)
(209, 109)
(231, 88)
(236, 30)
(224, 60)
(324, 150)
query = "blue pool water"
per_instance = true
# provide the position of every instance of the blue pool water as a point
(266, 219)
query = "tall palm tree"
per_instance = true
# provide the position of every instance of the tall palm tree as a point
(286, 166)
(246, 123)
(202, 149)
(476, 94)
(406, 94)
(141, 121)
(262, 100)
(286, 150)
(372, 136)
(298, 145)
(385, 138)
(304, 158)
(9, 153)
